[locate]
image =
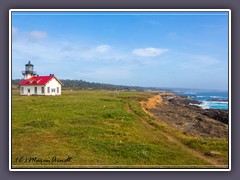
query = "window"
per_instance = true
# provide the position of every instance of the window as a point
(48, 89)
(53, 90)
(57, 89)
(42, 90)
(22, 90)
(35, 90)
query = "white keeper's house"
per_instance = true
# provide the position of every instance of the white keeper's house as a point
(34, 84)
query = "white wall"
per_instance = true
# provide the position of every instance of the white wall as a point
(32, 90)
(28, 76)
(53, 84)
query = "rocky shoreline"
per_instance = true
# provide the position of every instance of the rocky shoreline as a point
(216, 114)
(179, 112)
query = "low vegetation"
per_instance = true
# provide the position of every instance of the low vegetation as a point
(103, 129)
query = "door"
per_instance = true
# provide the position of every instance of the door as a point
(28, 91)
(53, 92)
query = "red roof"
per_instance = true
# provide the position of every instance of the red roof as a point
(36, 80)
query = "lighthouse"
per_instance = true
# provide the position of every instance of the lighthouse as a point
(33, 84)
(28, 73)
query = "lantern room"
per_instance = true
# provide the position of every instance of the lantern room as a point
(28, 73)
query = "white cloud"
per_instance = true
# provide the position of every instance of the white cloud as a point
(37, 35)
(149, 51)
(28, 35)
(103, 48)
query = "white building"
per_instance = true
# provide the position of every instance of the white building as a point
(39, 85)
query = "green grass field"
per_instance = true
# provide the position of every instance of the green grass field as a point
(103, 129)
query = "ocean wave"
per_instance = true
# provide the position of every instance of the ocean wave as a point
(216, 97)
(214, 105)
(192, 93)
(216, 102)
(204, 106)
(209, 100)
(194, 104)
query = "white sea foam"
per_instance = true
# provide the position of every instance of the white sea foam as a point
(209, 100)
(216, 96)
(214, 105)
(193, 93)
(195, 104)
(216, 102)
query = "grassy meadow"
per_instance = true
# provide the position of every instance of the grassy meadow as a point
(103, 129)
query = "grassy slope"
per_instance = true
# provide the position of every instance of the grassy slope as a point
(100, 129)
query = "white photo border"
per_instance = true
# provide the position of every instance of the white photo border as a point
(118, 10)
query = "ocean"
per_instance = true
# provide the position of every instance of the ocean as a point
(208, 99)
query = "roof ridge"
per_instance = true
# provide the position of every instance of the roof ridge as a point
(37, 80)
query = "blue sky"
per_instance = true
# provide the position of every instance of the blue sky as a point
(151, 49)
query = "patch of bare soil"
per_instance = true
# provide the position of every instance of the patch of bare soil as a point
(176, 112)
(152, 102)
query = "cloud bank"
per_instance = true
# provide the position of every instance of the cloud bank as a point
(28, 35)
(37, 35)
(149, 51)
(103, 48)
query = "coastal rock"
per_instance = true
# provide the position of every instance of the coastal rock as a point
(177, 112)
(183, 100)
(216, 114)
(219, 115)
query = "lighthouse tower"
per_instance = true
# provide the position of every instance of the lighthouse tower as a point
(28, 73)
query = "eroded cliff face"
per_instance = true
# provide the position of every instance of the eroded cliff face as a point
(177, 112)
